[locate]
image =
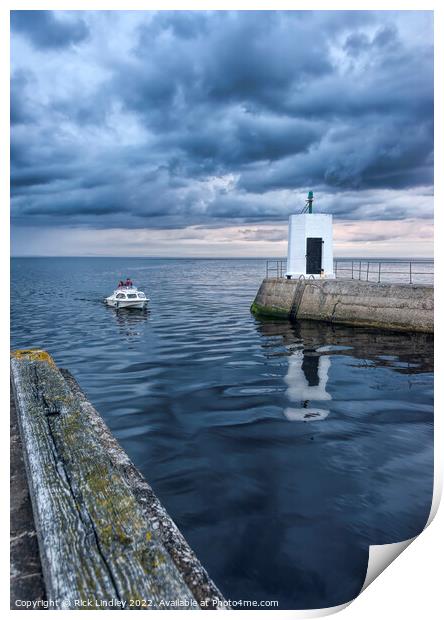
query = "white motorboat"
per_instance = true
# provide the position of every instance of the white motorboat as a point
(127, 297)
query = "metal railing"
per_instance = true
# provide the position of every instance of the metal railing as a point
(407, 272)
(276, 268)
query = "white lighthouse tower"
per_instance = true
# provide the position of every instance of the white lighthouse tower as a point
(310, 243)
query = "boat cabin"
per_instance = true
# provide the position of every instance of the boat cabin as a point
(130, 295)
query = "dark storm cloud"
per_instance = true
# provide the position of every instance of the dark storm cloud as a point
(21, 107)
(395, 154)
(38, 176)
(209, 117)
(45, 31)
(240, 138)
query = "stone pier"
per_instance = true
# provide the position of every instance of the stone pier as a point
(398, 307)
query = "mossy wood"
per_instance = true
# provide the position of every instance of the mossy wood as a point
(94, 538)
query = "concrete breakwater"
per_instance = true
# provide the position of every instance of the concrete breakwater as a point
(399, 307)
(103, 535)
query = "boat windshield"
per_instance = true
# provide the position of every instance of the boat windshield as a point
(132, 296)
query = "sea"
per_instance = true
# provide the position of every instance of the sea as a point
(282, 451)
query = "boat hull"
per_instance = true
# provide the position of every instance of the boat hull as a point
(127, 303)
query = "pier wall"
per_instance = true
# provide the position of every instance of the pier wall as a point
(399, 307)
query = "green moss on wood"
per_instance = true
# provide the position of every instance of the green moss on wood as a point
(96, 527)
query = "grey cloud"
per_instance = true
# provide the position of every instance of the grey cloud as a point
(244, 138)
(46, 31)
(393, 155)
(358, 42)
(371, 237)
(215, 117)
(265, 234)
(21, 107)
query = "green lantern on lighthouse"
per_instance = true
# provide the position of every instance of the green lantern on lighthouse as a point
(310, 199)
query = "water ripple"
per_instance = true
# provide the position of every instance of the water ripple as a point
(281, 451)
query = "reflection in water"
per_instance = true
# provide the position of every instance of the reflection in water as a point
(308, 365)
(198, 396)
(131, 322)
(364, 476)
(307, 378)
(406, 353)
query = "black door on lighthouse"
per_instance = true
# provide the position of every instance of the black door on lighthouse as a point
(314, 255)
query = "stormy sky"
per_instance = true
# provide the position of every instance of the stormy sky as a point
(197, 133)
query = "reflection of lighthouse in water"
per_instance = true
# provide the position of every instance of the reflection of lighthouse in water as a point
(307, 378)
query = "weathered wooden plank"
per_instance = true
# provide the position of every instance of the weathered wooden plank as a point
(93, 536)
(26, 577)
(192, 571)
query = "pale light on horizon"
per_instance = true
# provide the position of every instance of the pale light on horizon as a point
(398, 239)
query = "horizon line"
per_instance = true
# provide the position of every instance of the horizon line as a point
(356, 257)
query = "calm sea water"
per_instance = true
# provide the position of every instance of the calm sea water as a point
(281, 451)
